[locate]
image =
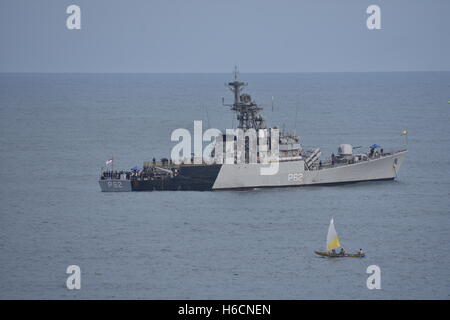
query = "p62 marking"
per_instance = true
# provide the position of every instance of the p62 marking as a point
(295, 177)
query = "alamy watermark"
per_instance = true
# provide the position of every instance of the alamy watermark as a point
(74, 279)
(236, 146)
(73, 22)
(374, 20)
(374, 280)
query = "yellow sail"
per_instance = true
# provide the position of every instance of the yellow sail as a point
(332, 237)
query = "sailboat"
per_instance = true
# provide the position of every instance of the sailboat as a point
(333, 242)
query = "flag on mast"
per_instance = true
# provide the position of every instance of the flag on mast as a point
(332, 237)
(109, 161)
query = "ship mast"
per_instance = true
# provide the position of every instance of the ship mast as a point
(247, 111)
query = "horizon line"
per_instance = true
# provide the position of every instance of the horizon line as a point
(212, 72)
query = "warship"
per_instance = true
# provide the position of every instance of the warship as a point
(296, 166)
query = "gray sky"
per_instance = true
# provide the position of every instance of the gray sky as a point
(213, 35)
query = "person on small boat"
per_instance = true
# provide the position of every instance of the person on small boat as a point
(333, 252)
(342, 252)
(360, 252)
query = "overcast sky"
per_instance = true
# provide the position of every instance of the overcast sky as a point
(213, 35)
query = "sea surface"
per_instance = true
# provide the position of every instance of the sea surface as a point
(57, 130)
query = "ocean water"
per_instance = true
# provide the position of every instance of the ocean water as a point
(56, 131)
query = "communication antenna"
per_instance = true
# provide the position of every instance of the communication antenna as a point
(295, 119)
(207, 116)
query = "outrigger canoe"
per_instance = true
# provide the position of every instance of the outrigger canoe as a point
(337, 255)
(333, 242)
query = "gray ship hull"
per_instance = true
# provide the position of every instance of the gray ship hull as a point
(292, 173)
(248, 176)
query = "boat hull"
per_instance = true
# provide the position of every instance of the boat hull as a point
(293, 174)
(190, 178)
(346, 255)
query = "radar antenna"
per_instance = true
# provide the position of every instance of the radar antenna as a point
(247, 111)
